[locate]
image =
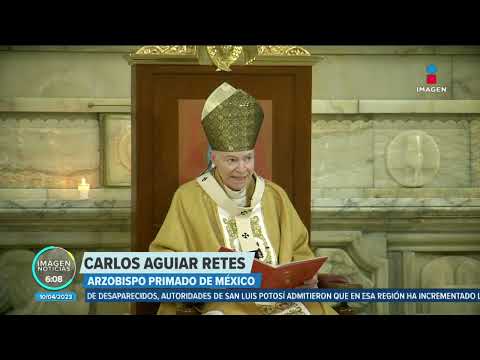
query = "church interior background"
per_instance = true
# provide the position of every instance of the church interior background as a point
(395, 166)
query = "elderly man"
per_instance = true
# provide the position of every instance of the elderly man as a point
(230, 205)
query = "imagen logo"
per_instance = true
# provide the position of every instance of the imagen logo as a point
(431, 74)
(53, 268)
(431, 79)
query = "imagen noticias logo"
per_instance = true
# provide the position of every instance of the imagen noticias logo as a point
(53, 268)
(431, 78)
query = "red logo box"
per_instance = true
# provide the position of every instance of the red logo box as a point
(431, 79)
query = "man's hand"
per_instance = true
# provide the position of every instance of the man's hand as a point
(331, 280)
(310, 283)
(323, 281)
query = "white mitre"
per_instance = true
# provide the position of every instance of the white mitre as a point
(218, 96)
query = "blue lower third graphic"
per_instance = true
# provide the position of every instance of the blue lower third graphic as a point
(282, 295)
(171, 281)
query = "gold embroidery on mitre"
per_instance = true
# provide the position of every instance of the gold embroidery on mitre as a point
(234, 124)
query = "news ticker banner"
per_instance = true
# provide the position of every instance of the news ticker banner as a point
(195, 277)
(282, 295)
(221, 277)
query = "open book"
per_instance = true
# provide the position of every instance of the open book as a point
(285, 276)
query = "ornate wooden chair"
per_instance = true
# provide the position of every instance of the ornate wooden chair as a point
(332, 281)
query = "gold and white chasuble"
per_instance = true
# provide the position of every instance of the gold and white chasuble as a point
(202, 217)
(244, 230)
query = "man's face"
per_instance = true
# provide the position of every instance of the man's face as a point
(235, 168)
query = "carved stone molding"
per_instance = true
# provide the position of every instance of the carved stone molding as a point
(63, 216)
(434, 242)
(168, 50)
(417, 107)
(413, 158)
(454, 219)
(66, 239)
(359, 249)
(117, 149)
(223, 56)
(282, 51)
(10, 105)
(439, 267)
(48, 150)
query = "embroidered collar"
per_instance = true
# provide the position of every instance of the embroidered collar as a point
(216, 191)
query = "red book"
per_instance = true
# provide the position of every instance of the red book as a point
(285, 276)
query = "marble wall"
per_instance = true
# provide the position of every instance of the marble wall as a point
(394, 73)
(31, 219)
(475, 150)
(117, 140)
(380, 151)
(49, 150)
(342, 152)
(68, 74)
(377, 77)
(398, 166)
(451, 271)
(466, 77)
(414, 190)
(46, 147)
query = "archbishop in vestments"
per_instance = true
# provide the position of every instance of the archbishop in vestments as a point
(230, 205)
